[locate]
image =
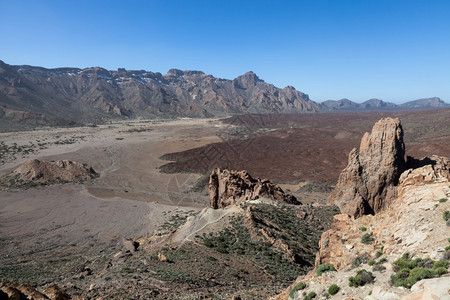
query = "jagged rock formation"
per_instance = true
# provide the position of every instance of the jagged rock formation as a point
(426, 170)
(413, 223)
(25, 291)
(233, 187)
(368, 184)
(38, 172)
(64, 95)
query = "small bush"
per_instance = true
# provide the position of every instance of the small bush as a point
(382, 261)
(310, 296)
(440, 264)
(447, 248)
(443, 200)
(363, 229)
(362, 278)
(367, 238)
(371, 263)
(378, 268)
(361, 259)
(324, 268)
(299, 286)
(378, 254)
(419, 273)
(446, 215)
(333, 289)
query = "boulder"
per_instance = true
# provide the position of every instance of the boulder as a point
(233, 187)
(368, 184)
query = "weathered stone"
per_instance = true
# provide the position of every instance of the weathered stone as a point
(54, 292)
(233, 187)
(368, 184)
(130, 245)
(36, 171)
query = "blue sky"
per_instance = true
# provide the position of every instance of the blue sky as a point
(392, 50)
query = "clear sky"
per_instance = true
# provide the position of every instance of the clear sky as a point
(392, 50)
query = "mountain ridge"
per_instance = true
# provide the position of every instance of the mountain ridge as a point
(37, 96)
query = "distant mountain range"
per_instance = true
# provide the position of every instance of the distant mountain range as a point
(377, 104)
(63, 96)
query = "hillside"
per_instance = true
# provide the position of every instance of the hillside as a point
(39, 96)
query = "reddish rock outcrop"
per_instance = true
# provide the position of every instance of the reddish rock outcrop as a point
(40, 172)
(233, 187)
(368, 184)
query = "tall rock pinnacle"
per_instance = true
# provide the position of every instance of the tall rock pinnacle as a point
(368, 184)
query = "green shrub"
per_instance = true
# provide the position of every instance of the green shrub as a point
(378, 268)
(440, 264)
(382, 261)
(440, 271)
(378, 254)
(409, 271)
(367, 238)
(446, 215)
(333, 289)
(371, 263)
(310, 296)
(442, 200)
(361, 259)
(419, 273)
(324, 268)
(363, 229)
(362, 278)
(299, 286)
(447, 248)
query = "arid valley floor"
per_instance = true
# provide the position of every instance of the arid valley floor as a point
(153, 176)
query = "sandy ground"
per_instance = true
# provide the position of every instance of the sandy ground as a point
(131, 198)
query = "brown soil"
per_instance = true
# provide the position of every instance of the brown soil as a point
(295, 148)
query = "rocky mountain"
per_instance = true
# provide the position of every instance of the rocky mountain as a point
(36, 96)
(377, 105)
(67, 95)
(391, 240)
(433, 102)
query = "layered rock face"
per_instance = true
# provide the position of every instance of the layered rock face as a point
(368, 184)
(42, 172)
(233, 187)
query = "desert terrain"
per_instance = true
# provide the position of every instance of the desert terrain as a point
(153, 177)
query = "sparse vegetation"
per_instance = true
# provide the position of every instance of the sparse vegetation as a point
(299, 286)
(446, 215)
(361, 259)
(333, 289)
(362, 278)
(443, 200)
(367, 238)
(363, 229)
(409, 271)
(176, 220)
(324, 268)
(311, 295)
